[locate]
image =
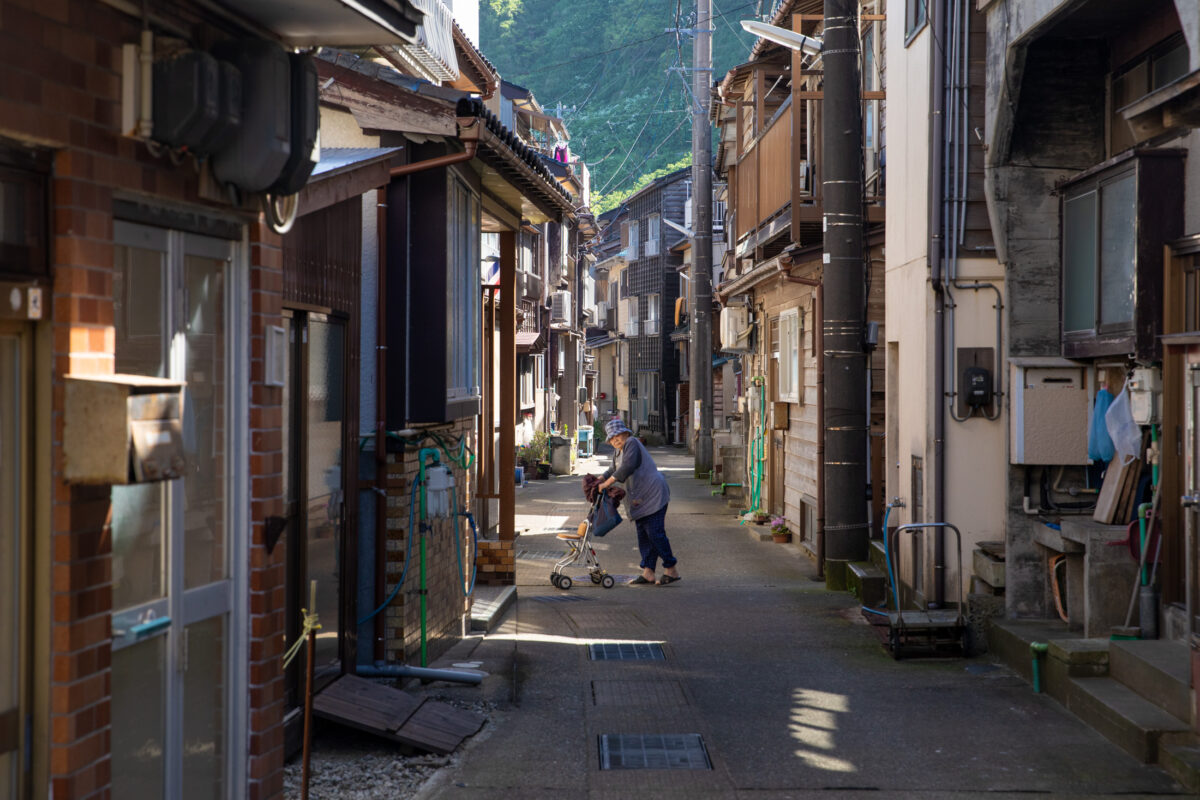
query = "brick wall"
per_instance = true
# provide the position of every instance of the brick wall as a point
(60, 63)
(446, 602)
(267, 572)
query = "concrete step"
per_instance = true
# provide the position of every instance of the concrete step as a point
(1157, 670)
(1182, 762)
(489, 605)
(1124, 717)
(868, 583)
(877, 554)
(1009, 639)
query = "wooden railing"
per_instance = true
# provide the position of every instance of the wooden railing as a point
(763, 177)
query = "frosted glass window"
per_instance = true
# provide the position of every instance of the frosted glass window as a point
(1118, 215)
(1079, 263)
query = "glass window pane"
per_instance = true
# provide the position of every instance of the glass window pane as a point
(138, 280)
(138, 719)
(204, 420)
(137, 544)
(1118, 228)
(326, 417)
(1170, 66)
(205, 694)
(1079, 263)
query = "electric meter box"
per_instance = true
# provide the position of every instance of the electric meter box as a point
(257, 152)
(1049, 415)
(121, 429)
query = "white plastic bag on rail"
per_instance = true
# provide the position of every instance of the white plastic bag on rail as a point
(1125, 433)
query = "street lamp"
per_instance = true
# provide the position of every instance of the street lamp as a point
(796, 41)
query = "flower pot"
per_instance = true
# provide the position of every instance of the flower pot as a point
(543, 471)
(782, 538)
(760, 522)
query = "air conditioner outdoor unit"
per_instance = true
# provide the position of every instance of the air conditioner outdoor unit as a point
(560, 306)
(602, 314)
(735, 328)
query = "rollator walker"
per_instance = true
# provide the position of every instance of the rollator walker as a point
(579, 548)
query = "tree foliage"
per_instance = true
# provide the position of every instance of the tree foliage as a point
(609, 201)
(608, 63)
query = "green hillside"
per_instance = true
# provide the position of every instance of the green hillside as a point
(607, 62)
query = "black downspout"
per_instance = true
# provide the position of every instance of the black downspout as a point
(937, 133)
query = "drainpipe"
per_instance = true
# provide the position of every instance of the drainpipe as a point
(937, 137)
(785, 261)
(381, 670)
(381, 231)
(468, 134)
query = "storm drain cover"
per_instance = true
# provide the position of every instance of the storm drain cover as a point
(626, 651)
(560, 598)
(654, 751)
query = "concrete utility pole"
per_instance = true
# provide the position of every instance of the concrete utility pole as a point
(846, 529)
(702, 267)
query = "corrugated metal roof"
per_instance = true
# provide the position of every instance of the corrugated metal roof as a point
(335, 160)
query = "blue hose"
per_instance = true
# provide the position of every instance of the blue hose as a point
(412, 505)
(891, 576)
(462, 575)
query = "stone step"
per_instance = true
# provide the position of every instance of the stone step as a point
(868, 583)
(1156, 669)
(1124, 717)
(1182, 762)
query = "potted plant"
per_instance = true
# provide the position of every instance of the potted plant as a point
(538, 450)
(779, 530)
(761, 517)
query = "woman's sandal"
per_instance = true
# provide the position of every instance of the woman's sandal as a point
(666, 579)
(640, 580)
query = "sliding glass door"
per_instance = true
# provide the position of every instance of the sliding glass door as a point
(172, 589)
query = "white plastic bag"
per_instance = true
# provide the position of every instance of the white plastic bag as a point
(1125, 433)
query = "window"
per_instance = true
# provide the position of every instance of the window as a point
(624, 284)
(647, 395)
(1159, 66)
(23, 235)
(632, 252)
(1099, 264)
(631, 317)
(652, 312)
(652, 224)
(622, 358)
(462, 317)
(527, 376)
(914, 18)
(788, 353)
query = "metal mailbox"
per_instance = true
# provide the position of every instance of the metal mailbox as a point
(120, 429)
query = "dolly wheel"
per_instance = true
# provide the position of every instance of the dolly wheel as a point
(595, 576)
(564, 582)
(608, 581)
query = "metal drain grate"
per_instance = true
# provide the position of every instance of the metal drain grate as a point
(626, 651)
(540, 555)
(560, 598)
(654, 751)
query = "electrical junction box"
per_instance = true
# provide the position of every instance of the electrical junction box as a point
(122, 429)
(1145, 395)
(1051, 407)
(256, 154)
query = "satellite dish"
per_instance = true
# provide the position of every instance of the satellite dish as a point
(796, 41)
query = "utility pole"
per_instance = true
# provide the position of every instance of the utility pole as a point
(702, 267)
(845, 435)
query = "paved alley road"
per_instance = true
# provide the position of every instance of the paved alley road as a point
(790, 692)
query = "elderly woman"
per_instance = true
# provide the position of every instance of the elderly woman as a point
(646, 498)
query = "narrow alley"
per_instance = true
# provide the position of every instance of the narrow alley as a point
(788, 689)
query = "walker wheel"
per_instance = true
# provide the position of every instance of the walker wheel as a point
(608, 581)
(894, 643)
(554, 578)
(595, 576)
(564, 582)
